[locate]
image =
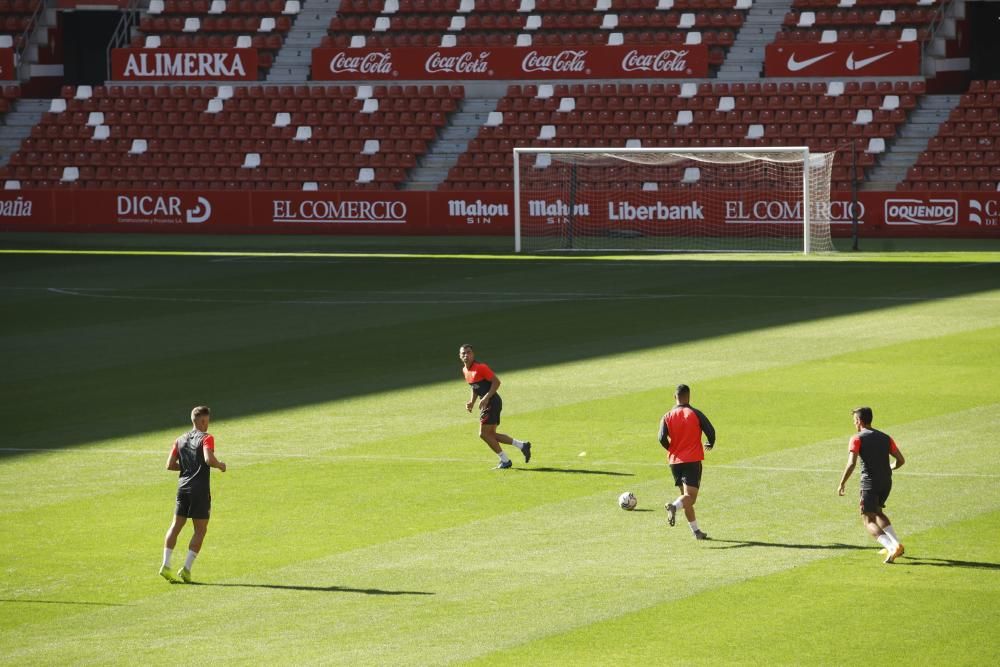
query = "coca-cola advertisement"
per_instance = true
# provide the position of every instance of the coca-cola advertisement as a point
(842, 59)
(550, 62)
(184, 64)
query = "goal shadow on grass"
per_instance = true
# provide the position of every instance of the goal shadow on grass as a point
(315, 589)
(742, 544)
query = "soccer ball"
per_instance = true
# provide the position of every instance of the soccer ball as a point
(627, 501)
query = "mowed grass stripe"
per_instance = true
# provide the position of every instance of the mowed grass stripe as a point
(567, 556)
(744, 394)
(935, 606)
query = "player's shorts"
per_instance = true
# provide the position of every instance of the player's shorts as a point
(873, 500)
(491, 415)
(193, 505)
(687, 473)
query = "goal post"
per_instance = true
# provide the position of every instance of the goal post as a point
(699, 199)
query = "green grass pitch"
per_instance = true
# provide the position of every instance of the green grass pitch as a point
(361, 523)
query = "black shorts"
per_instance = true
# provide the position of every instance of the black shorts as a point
(873, 500)
(193, 505)
(687, 473)
(491, 415)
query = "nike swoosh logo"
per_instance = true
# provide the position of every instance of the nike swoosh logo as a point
(795, 65)
(855, 65)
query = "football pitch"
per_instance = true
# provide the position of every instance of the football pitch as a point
(361, 521)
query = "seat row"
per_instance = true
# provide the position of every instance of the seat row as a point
(787, 88)
(255, 91)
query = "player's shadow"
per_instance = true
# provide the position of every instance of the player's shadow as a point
(317, 589)
(946, 562)
(579, 471)
(742, 544)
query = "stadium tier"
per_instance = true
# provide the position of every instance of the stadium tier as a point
(222, 137)
(17, 17)
(845, 118)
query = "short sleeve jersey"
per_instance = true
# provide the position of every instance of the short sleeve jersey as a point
(874, 448)
(190, 451)
(480, 378)
(685, 425)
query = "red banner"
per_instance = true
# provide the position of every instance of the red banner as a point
(469, 213)
(184, 64)
(842, 59)
(467, 63)
(7, 70)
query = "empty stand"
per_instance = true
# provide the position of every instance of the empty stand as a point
(260, 24)
(965, 154)
(851, 117)
(251, 137)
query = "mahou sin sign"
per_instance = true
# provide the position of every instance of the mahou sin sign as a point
(518, 63)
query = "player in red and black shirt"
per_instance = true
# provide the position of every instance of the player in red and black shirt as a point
(193, 454)
(484, 384)
(874, 449)
(680, 435)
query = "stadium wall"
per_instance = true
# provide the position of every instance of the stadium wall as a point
(467, 213)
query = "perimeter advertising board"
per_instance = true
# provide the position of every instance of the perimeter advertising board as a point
(184, 64)
(459, 213)
(467, 63)
(842, 59)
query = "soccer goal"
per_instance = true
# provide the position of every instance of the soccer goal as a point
(672, 199)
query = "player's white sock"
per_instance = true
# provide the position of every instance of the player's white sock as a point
(189, 561)
(166, 556)
(517, 443)
(694, 526)
(679, 503)
(503, 457)
(891, 532)
(886, 542)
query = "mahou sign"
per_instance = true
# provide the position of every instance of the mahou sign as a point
(184, 64)
(842, 59)
(428, 63)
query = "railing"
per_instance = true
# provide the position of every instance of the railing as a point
(122, 35)
(26, 37)
(933, 27)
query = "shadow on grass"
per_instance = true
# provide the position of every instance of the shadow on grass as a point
(742, 544)
(947, 562)
(293, 334)
(317, 589)
(579, 471)
(72, 602)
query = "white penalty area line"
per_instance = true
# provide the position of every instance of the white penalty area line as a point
(571, 464)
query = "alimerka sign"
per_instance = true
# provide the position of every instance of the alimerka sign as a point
(184, 64)
(842, 59)
(448, 63)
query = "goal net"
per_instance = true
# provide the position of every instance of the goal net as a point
(672, 199)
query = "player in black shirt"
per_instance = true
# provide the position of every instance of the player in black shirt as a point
(193, 454)
(874, 448)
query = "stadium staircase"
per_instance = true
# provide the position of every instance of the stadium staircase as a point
(913, 139)
(17, 125)
(293, 61)
(745, 61)
(442, 155)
